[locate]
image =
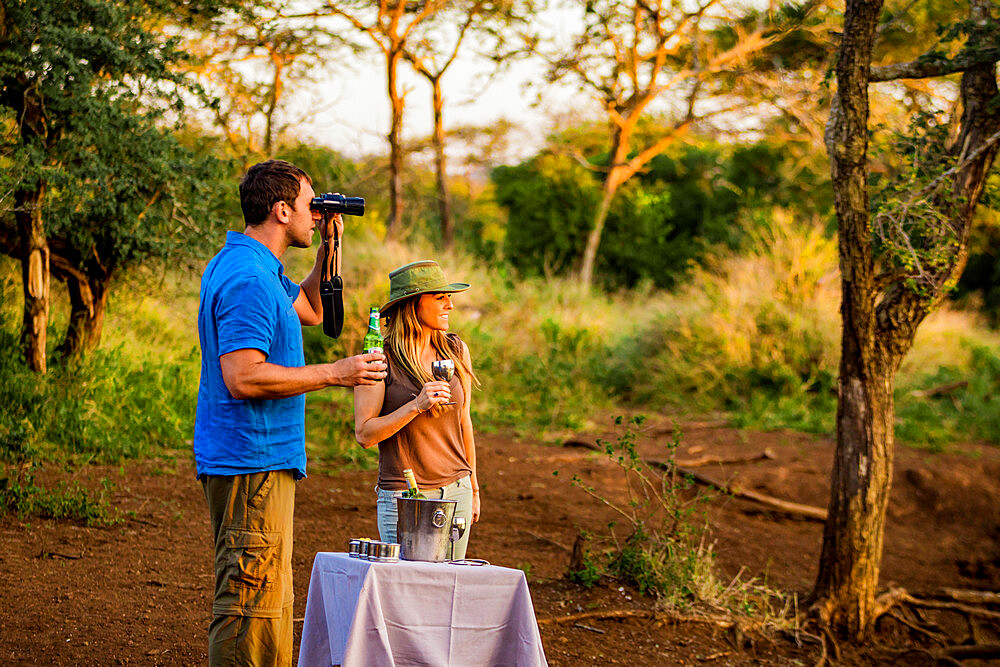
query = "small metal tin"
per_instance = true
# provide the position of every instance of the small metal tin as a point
(363, 548)
(354, 548)
(385, 552)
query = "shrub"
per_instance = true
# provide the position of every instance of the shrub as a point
(664, 551)
(20, 495)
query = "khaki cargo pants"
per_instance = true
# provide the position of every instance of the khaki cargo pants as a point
(252, 521)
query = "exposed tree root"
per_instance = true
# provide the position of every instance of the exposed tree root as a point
(900, 617)
(899, 596)
(966, 652)
(904, 608)
(958, 595)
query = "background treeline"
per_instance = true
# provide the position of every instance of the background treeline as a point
(746, 327)
(713, 288)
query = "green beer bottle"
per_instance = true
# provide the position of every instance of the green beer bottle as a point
(373, 339)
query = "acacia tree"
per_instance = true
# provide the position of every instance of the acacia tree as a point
(630, 54)
(390, 26)
(896, 267)
(85, 158)
(434, 53)
(248, 58)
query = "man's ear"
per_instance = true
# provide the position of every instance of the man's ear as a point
(280, 211)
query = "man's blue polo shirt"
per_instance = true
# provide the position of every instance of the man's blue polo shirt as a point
(246, 302)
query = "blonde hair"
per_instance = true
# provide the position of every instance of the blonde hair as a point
(402, 331)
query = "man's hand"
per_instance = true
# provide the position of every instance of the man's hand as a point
(336, 221)
(360, 369)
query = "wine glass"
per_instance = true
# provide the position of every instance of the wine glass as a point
(444, 370)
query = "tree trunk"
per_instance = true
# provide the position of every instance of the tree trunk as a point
(272, 106)
(35, 276)
(879, 326)
(852, 539)
(444, 203)
(596, 229)
(618, 173)
(396, 102)
(88, 299)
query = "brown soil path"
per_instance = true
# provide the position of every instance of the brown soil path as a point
(139, 592)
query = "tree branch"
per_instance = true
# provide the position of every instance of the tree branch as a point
(932, 65)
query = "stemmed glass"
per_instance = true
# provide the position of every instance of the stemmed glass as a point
(444, 370)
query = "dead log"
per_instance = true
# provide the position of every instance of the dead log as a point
(719, 621)
(940, 390)
(784, 506)
(766, 455)
(584, 444)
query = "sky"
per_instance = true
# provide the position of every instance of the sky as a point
(348, 109)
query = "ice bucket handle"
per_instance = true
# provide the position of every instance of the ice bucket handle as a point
(439, 518)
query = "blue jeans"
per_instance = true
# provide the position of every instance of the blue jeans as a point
(460, 490)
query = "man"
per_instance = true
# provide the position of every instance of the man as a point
(249, 439)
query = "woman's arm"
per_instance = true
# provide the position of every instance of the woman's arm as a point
(371, 429)
(468, 437)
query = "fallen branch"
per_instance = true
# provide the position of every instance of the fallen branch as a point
(940, 389)
(784, 506)
(542, 538)
(587, 627)
(766, 455)
(718, 621)
(600, 615)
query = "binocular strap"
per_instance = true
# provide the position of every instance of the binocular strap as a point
(331, 289)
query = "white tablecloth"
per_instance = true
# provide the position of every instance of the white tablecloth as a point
(415, 613)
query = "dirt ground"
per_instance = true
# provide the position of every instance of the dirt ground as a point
(139, 592)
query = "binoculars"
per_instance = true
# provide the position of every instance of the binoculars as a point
(334, 203)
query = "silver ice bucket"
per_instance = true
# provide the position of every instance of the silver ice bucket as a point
(423, 528)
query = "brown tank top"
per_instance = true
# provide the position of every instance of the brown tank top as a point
(431, 445)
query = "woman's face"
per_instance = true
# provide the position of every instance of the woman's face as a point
(433, 309)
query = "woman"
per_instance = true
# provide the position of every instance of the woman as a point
(416, 421)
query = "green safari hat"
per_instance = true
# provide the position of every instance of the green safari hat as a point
(423, 277)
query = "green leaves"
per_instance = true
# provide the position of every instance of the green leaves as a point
(913, 208)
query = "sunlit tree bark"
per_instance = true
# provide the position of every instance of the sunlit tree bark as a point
(890, 287)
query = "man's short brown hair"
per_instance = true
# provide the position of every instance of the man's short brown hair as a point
(267, 183)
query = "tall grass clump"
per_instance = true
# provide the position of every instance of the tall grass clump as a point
(753, 334)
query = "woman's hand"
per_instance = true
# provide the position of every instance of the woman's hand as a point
(435, 392)
(475, 506)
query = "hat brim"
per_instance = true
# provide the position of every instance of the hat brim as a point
(453, 287)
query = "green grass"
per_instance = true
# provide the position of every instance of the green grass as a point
(753, 336)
